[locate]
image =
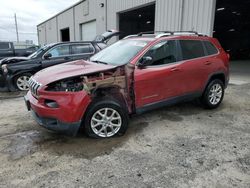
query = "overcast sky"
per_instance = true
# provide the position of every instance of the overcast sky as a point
(29, 14)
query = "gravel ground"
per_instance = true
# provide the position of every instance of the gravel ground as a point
(178, 146)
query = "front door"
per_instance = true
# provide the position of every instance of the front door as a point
(59, 54)
(160, 80)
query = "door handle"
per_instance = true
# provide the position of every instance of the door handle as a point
(208, 63)
(175, 69)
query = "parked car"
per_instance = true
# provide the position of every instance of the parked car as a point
(7, 49)
(17, 71)
(134, 75)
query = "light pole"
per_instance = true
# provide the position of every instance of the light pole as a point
(17, 36)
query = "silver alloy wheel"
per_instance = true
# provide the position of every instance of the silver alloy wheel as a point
(215, 94)
(106, 122)
(22, 83)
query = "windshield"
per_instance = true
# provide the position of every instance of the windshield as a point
(119, 53)
(40, 50)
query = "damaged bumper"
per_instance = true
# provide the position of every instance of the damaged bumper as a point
(6, 82)
(3, 86)
(53, 124)
(66, 120)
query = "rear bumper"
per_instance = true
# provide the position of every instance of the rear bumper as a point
(66, 118)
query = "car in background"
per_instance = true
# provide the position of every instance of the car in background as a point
(16, 71)
(135, 75)
(7, 49)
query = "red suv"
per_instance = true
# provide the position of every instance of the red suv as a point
(137, 74)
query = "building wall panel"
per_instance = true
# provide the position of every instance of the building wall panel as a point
(66, 20)
(95, 12)
(198, 15)
(170, 15)
(51, 30)
(41, 29)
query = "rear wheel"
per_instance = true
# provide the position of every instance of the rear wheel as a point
(213, 94)
(21, 82)
(105, 118)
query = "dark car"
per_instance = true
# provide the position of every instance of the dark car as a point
(15, 72)
(7, 49)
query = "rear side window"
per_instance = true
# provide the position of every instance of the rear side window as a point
(191, 49)
(211, 49)
(82, 49)
(4, 46)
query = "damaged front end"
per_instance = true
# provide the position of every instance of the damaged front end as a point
(116, 83)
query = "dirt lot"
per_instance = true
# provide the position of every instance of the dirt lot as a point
(179, 146)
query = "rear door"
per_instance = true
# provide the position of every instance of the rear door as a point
(194, 66)
(82, 51)
(59, 54)
(160, 80)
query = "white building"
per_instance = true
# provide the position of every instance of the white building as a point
(85, 19)
(227, 20)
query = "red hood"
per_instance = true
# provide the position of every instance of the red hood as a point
(67, 70)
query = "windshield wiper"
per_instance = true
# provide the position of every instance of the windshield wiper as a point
(100, 62)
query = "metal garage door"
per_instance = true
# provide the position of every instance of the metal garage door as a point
(88, 31)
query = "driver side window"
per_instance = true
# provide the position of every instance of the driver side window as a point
(163, 53)
(60, 51)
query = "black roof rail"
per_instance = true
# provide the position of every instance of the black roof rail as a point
(159, 34)
(191, 32)
(145, 32)
(194, 32)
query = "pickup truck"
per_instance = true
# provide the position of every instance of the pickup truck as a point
(7, 49)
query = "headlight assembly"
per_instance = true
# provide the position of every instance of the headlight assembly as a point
(4, 68)
(67, 85)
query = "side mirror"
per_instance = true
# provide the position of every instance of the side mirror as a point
(47, 56)
(145, 61)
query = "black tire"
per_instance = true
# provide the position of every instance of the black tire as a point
(102, 103)
(27, 75)
(205, 97)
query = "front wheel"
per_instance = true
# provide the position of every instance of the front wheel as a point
(21, 82)
(213, 94)
(106, 118)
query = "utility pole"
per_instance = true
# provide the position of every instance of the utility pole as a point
(17, 36)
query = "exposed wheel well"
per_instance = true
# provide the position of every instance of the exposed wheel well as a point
(111, 92)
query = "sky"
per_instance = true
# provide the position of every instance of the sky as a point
(29, 14)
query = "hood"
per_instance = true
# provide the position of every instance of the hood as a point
(9, 60)
(67, 70)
